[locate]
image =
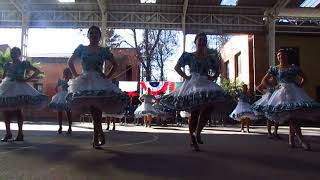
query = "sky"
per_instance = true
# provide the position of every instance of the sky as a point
(62, 42)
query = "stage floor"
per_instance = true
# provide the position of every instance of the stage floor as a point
(136, 152)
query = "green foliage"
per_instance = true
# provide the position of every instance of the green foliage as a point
(4, 57)
(232, 88)
(36, 65)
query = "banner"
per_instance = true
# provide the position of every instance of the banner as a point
(156, 88)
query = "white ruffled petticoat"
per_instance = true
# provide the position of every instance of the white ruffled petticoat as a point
(259, 105)
(20, 95)
(195, 93)
(243, 110)
(90, 89)
(291, 102)
(185, 114)
(59, 102)
(145, 109)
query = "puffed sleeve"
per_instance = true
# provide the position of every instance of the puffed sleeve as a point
(78, 51)
(26, 64)
(184, 59)
(272, 70)
(106, 54)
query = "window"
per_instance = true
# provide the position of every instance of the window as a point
(129, 73)
(227, 69)
(38, 87)
(237, 64)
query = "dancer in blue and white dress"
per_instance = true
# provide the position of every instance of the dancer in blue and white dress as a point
(267, 91)
(199, 94)
(146, 110)
(243, 111)
(93, 90)
(59, 102)
(289, 102)
(16, 94)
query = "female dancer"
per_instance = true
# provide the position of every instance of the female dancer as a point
(91, 90)
(243, 111)
(289, 102)
(16, 94)
(146, 109)
(59, 102)
(198, 93)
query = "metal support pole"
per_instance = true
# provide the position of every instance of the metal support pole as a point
(271, 40)
(104, 30)
(185, 8)
(24, 35)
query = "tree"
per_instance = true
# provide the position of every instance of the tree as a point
(4, 57)
(113, 40)
(145, 49)
(165, 49)
(222, 40)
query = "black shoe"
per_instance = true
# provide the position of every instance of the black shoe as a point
(96, 146)
(69, 131)
(19, 138)
(194, 144)
(199, 141)
(6, 138)
(102, 140)
(59, 130)
(306, 146)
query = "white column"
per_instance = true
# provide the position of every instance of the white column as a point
(24, 35)
(104, 29)
(271, 40)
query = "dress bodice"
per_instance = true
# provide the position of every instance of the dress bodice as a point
(287, 75)
(92, 61)
(63, 84)
(243, 97)
(148, 98)
(15, 71)
(201, 66)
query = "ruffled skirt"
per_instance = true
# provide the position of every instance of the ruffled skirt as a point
(243, 110)
(91, 90)
(196, 93)
(59, 102)
(291, 102)
(185, 114)
(145, 109)
(259, 105)
(20, 95)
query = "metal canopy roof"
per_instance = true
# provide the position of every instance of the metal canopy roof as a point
(201, 15)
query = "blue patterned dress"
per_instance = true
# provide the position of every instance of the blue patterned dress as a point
(16, 94)
(91, 89)
(59, 101)
(243, 109)
(199, 91)
(289, 101)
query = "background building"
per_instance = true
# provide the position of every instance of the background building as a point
(245, 57)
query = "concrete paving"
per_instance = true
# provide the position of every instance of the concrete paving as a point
(136, 152)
